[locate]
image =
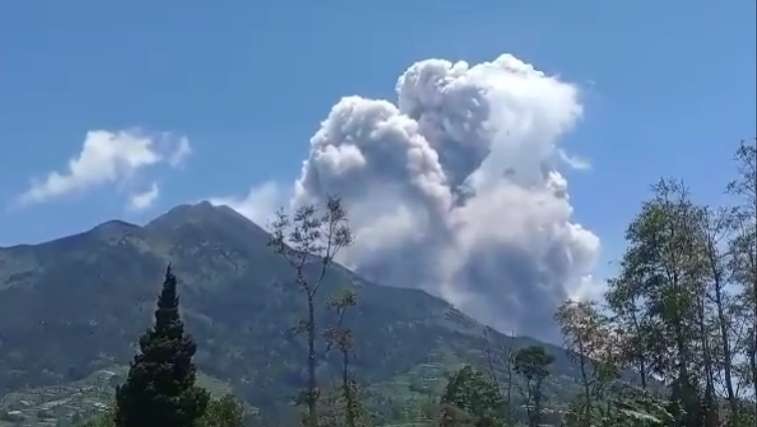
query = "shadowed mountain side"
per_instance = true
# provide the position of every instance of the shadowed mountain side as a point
(77, 304)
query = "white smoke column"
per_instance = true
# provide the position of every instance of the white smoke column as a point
(454, 189)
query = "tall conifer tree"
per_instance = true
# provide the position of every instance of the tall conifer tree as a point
(160, 389)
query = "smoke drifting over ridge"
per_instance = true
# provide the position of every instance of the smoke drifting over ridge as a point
(454, 189)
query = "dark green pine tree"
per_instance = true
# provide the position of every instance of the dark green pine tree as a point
(160, 389)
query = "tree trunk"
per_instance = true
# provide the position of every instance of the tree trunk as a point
(509, 387)
(312, 397)
(724, 335)
(536, 419)
(349, 398)
(753, 360)
(710, 403)
(639, 348)
(752, 255)
(585, 379)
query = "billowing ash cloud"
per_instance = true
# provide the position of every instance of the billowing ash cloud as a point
(454, 189)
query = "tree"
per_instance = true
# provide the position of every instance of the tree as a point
(341, 337)
(503, 355)
(224, 412)
(626, 300)
(104, 419)
(628, 406)
(663, 270)
(587, 336)
(160, 388)
(532, 363)
(469, 394)
(311, 237)
(743, 246)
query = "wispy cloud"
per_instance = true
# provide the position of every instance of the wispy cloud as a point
(258, 204)
(108, 157)
(145, 199)
(574, 161)
(182, 151)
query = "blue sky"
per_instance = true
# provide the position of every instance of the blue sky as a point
(668, 89)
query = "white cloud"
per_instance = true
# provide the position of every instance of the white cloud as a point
(454, 189)
(575, 162)
(108, 157)
(259, 204)
(181, 152)
(145, 199)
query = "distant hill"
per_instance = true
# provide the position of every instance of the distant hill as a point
(57, 405)
(75, 305)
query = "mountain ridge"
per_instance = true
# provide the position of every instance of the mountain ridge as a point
(76, 304)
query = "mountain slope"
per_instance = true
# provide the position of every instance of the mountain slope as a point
(74, 305)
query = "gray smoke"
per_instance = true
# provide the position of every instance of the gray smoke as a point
(454, 189)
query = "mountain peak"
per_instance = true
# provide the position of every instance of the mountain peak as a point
(188, 213)
(206, 214)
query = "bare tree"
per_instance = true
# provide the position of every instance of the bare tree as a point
(309, 240)
(341, 337)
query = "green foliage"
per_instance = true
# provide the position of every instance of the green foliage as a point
(308, 235)
(160, 388)
(99, 285)
(106, 419)
(595, 350)
(452, 416)
(663, 272)
(632, 407)
(532, 363)
(224, 412)
(336, 410)
(470, 393)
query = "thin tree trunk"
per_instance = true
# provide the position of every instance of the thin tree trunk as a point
(723, 325)
(490, 361)
(711, 415)
(349, 398)
(585, 379)
(312, 383)
(509, 386)
(753, 359)
(752, 255)
(673, 276)
(639, 349)
(537, 404)
(683, 351)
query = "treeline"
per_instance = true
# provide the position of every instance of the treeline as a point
(681, 314)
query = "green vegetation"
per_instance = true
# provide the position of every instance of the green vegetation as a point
(675, 343)
(237, 301)
(682, 313)
(306, 235)
(341, 337)
(224, 412)
(160, 388)
(469, 396)
(533, 364)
